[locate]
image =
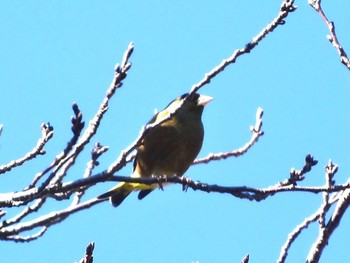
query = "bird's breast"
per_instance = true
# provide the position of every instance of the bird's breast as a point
(170, 148)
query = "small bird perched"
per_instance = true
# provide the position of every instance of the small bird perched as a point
(168, 149)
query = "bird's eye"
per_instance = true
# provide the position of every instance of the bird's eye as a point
(183, 96)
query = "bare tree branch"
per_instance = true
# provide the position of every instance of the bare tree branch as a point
(245, 259)
(11, 232)
(88, 258)
(96, 152)
(316, 4)
(327, 229)
(60, 167)
(47, 133)
(286, 8)
(26, 211)
(298, 175)
(256, 134)
(77, 127)
(28, 238)
(120, 74)
(318, 215)
(244, 192)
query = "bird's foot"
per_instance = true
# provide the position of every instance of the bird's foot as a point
(161, 179)
(185, 183)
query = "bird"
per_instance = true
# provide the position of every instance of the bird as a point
(167, 149)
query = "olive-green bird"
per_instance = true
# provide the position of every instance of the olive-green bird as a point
(168, 149)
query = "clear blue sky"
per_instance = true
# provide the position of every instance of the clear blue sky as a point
(59, 52)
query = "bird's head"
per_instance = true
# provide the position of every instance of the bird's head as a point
(190, 102)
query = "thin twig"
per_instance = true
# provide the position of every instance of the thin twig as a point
(96, 152)
(47, 133)
(319, 215)
(316, 4)
(30, 194)
(294, 234)
(25, 212)
(88, 257)
(326, 230)
(256, 134)
(245, 259)
(331, 169)
(77, 127)
(299, 175)
(302, 226)
(119, 75)
(286, 8)
(46, 220)
(18, 238)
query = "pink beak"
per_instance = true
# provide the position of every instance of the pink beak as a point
(204, 100)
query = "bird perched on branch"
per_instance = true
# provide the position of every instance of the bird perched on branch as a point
(167, 149)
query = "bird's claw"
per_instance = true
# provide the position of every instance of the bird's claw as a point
(160, 179)
(186, 183)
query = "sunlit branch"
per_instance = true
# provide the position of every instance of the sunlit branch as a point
(286, 8)
(256, 134)
(77, 126)
(316, 4)
(47, 133)
(88, 257)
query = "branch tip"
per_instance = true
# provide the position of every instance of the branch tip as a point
(88, 258)
(245, 259)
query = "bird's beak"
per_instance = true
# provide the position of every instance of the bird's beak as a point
(204, 100)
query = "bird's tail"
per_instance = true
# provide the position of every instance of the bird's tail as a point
(118, 193)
